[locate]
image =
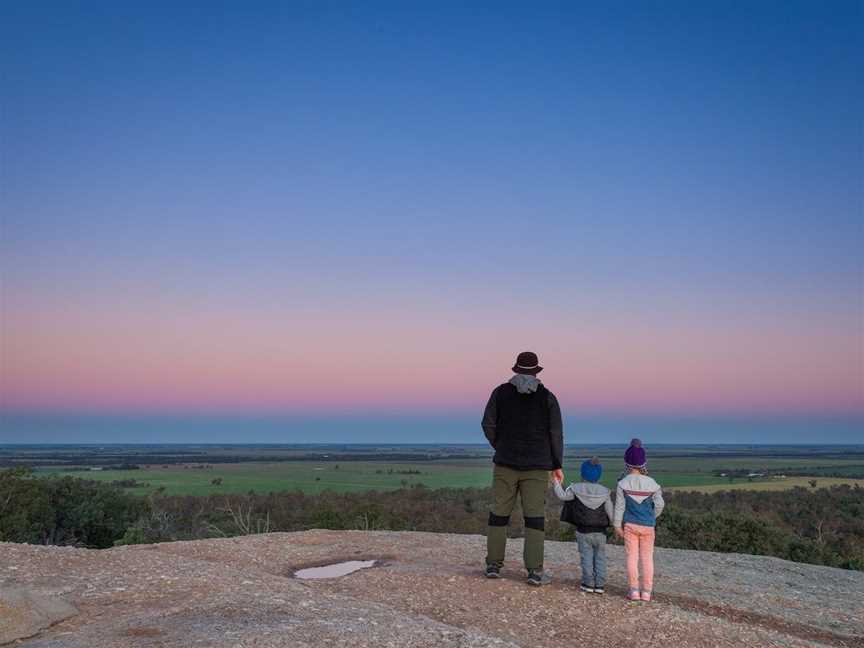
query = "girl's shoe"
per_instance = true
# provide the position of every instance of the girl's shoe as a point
(633, 595)
(646, 595)
(586, 588)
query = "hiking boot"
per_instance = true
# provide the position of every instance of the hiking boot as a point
(493, 571)
(587, 588)
(599, 590)
(538, 578)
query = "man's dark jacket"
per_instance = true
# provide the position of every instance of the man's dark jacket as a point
(525, 429)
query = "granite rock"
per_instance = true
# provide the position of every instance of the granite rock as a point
(425, 590)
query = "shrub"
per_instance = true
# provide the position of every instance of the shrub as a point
(65, 511)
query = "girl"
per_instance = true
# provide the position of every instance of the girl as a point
(638, 504)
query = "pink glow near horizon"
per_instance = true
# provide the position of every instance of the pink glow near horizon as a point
(392, 361)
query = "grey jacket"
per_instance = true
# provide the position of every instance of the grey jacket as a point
(591, 494)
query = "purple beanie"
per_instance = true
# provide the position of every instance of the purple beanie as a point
(635, 455)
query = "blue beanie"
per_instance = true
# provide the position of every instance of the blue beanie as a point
(591, 469)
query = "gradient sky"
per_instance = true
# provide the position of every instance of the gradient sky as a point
(369, 208)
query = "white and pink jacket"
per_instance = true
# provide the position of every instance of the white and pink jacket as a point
(638, 500)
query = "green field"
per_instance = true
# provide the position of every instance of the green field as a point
(302, 475)
(191, 470)
(775, 484)
(359, 476)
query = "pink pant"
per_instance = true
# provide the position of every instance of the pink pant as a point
(639, 544)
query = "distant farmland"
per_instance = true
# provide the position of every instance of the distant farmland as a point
(680, 468)
(308, 477)
(774, 484)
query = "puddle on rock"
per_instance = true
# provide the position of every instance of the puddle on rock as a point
(335, 570)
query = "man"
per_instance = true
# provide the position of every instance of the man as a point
(523, 424)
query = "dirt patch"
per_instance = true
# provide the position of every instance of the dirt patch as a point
(748, 617)
(143, 632)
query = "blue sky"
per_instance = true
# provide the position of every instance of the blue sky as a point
(587, 179)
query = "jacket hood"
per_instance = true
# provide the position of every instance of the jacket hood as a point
(590, 494)
(525, 384)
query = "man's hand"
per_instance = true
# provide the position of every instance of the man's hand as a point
(558, 475)
(619, 532)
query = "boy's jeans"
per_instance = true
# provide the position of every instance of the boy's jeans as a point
(592, 553)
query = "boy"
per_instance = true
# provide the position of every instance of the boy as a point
(592, 514)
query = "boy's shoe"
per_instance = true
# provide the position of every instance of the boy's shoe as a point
(633, 595)
(493, 571)
(646, 595)
(587, 588)
(538, 578)
(599, 590)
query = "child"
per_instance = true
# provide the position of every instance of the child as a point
(638, 504)
(592, 514)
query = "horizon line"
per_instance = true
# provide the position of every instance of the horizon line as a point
(423, 445)
(421, 413)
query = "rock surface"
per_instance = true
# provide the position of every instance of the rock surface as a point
(427, 590)
(24, 613)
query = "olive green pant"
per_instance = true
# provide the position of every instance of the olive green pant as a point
(530, 486)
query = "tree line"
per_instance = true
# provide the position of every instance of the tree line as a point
(822, 526)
